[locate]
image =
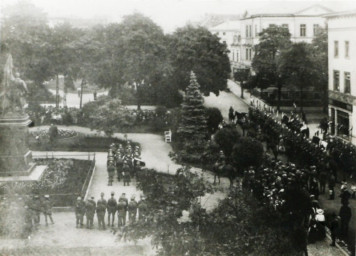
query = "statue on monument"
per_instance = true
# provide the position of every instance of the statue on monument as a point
(12, 92)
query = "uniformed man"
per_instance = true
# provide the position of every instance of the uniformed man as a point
(90, 212)
(126, 173)
(142, 208)
(100, 211)
(132, 207)
(119, 165)
(111, 207)
(79, 212)
(36, 209)
(47, 209)
(111, 173)
(121, 210)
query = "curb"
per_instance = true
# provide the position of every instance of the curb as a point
(89, 185)
(346, 253)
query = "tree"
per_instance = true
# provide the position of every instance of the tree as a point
(24, 30)
(214, 118)
(247, 152)
(195, 48)
(320, 57)
(193, 128)
(108, 115)
(298, 67)
(272, 41)
(226, 138)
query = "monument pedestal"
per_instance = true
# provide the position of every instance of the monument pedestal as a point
(15, 156)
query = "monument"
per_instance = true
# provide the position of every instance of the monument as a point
(15, 156)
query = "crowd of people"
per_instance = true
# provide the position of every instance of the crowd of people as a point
(125, 161)
(20, 215)
(315, 169)
(127, 211)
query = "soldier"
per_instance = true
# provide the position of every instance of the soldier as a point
(121, 210)
(142, 208)
(100, 211)
(28, 221)
(119, 165)
(47, 209)
(79, 212)
(111, 173)
(90, 211)
(132, 207)
(36, 209)
(111, 207)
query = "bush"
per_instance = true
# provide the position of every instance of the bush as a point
(226, 138)
(247, 152)
(214, 118)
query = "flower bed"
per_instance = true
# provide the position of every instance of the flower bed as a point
(62, 134)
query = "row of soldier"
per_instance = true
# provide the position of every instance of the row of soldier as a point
(19, 216)
(124, 161)
(124, 208)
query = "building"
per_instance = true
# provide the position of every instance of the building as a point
(342, 73)
(302, 24)
(229, 34)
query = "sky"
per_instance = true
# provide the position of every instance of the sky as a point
(169, 14)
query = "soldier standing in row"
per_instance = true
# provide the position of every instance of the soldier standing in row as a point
(112, 206)
(47, 209)
(121, 210)
(79, 212)
(36, 209)
(132, 207)
(100, 211)
(142, 208)
(90, 211)
(126, 173)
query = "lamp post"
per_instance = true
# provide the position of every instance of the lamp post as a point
(241, 74)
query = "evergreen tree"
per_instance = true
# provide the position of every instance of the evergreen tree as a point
(193, 129)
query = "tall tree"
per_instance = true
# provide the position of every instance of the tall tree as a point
(195, 48)
(272, 41)
(320, 57)
(298, 67)
(193, 127)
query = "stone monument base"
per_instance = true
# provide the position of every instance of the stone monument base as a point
(34, 175)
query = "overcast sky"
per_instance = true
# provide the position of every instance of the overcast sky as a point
(169, 14)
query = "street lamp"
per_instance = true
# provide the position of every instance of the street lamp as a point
(241, 74)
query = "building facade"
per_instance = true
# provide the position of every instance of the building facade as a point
(229, 33)
(342, 73)
(302, 24)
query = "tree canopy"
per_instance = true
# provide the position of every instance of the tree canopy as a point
(197, 49)
(272, 41)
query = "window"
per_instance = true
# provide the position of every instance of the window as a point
(347, 46)
(336, 49)
(247, 31)
(347, 83)
(336, 80)
(315, 29)
(272, 25)
(246, 54)
(285, 26)
(250, 30)
(303, 30)
(224, 33)
(237, 56)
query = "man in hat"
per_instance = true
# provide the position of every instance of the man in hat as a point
(345, 216)
(36, 209)
(100, 211)
(79, 212)
(47, 209)
(126, 173)
(111, 207)
(132, 207)
(121, 210)
(142, 208)
(334, 225)
(90, 212)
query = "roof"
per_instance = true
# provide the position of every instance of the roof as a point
(340, 14)
(227, 26)
(288, 9)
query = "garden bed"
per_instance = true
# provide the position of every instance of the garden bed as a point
(64, 180)
(80, 142)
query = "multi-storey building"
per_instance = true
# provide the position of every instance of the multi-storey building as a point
(302, 24)
(229, 33)
(342, 73)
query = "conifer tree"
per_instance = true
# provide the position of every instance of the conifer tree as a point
(193, 129)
